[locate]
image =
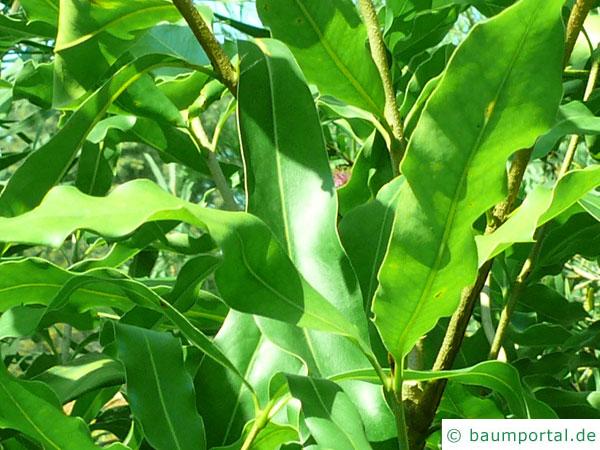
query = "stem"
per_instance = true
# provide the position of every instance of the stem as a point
(14, 8)
(592, 80)
(202, 141)
(273, 407)
(398, 407)
(379, 54)
(575, 25)
(65, 343)
(221, 182)
(220, 61)
(515, 294)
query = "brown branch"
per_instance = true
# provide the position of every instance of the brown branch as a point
(575, 25)
(219, 60)
(379, 54)
(424, 407)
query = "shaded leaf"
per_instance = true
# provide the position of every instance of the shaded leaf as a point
(160, 392)
(328, 40)
(33, 409)
(330, 416)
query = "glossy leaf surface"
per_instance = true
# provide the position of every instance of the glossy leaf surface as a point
(432, 254)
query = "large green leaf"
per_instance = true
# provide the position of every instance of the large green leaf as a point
(33, 409)
(459, 403)
(455, 164)
(371, 170)
(330, 416)
(328, 39)
(173, 144)
(288, 178)
(159, 389)
(569, 235)
(36, 282)
(256, 276)
(46, 166)
(550, 306)
(271, 436)
(280, 156)
(410, 34)
(41, 10)
(540, 206)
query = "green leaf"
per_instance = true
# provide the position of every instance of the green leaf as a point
(328, 40)
(432, 254)
(173, 144)
(550, 306)
(425, 72)
(33, 409)
(46, 166)
(99, 33)
(41, 10)
(365, 233)
(34, 84)
(279, 156)
(12, 158)
(183, 90)
(271, 436)
(540, 206)
(94, 174)
(35, 281)
(371, 170)
(571, 405)
(541, 335)
(573, 234)
(459, 403)
(256, 276)
(573, 118)
(408, 35)
(159, 389)
(173, 40)
(330, 416)
(14, 31)
(82, 375)
(495, 375)
(222, 398)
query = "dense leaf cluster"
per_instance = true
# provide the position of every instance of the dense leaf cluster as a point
(207, 242)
